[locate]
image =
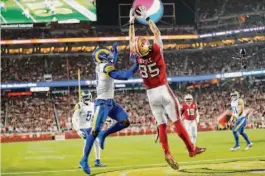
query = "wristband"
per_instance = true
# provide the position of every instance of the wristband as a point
(131, 24)
(147, 19)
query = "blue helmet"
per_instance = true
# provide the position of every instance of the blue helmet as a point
(102, 55)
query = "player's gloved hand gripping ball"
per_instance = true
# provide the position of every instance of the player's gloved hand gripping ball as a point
(140, 12)
(153, 9)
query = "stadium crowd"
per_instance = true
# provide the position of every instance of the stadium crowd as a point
(212, 9)
(37, 113)
(178, 63)
(30, 114)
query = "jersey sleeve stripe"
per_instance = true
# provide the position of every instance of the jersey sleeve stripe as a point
(77, 106)
(239, 125)
(108, 68)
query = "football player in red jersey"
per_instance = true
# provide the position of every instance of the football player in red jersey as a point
(161, 98)
(190, 116)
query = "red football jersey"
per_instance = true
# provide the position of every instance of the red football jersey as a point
(153, 68)
(189, 111)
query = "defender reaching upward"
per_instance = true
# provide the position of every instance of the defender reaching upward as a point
(105, 105)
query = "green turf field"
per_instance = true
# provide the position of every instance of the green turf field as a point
(12, 13)
(137, 156)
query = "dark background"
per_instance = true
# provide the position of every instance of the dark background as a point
(107, 11)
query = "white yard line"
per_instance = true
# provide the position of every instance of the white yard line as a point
(41, 151)
(87, 13)
(31, 17)
(119, 167)
(3, 19)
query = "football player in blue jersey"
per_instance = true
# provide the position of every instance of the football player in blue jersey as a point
(104, 104)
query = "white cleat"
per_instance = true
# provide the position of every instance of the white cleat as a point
(235, 148)
(249, 146)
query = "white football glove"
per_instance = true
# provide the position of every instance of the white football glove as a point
(132, 16)
(142, 12)
(81, 134)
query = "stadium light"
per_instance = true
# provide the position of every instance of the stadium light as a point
(89, 39)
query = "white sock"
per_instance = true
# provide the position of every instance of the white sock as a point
(97, 149)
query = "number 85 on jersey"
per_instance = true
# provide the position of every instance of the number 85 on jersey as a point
(149, 70)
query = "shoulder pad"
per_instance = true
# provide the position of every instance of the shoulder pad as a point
(108, 68)
(77, 107)
(240, 101)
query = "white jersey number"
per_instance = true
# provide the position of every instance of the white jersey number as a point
(151, 69)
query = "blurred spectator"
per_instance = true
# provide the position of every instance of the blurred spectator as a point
(213, 9)
(30, 114)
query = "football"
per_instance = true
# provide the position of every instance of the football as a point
(154, 10)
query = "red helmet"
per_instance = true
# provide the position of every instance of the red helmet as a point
(142, 46)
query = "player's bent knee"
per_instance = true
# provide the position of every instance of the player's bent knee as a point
(126, 123)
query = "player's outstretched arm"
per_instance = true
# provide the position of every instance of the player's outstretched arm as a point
(75, 121)
(132, 30)
(115, 51)
(249, 111)
(75, 117)
(152, 26)
(155, 31)
(120, 74)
